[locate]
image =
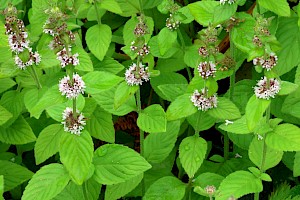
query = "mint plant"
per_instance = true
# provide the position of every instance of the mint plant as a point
(139, 99)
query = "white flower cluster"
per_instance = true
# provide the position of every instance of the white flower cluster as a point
(66, 59)
(202, 102)
(268, 63)
(207, 69)
(71, 88)
(73, 124)
(267, 88)
(34, 58)
(136, 75)
(140, 50)
(210, 189)
(171, 23)
(222, 2)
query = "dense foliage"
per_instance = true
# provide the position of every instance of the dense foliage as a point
(149, 99)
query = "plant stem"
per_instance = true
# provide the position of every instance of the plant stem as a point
(189, 190)
(98, 16)
(256, 196)
(35, 77)
(183, 48)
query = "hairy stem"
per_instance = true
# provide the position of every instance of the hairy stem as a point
(183, 48)
(35, 77)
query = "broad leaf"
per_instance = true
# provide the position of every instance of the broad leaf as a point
(152, 119)
(192, 152)
(116, 164)
(172, 91)
(111, 5)
(201, 121)
(296, 169)
(98, 45)
(49, 181)
(203, 11)
(166, 39)
(6, 83)
(85, 63)
(224, 110)
(76, 153)
(13, 174)
(280, 7)
(47, 144)
(123, 93)
(5, 115)
(287, 88)
(238, 126)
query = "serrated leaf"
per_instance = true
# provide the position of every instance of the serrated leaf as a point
(85, 63)
(111, 5)
(225, 110)
(5, 115)
(47, 144)
(255, 109)
(100, 125)
(167, 187)
(116, 164)
(123, 93)
(280, 7)
(203, 11)
(107, 64)
(296, 169)
(207, 179)
(166, 39)
(262, 155)
(239, 184)
(157, 146)
(291, 104)
(129, 7)
(223, 12)
(152, 119)
(201, 121)
(192, 152)
(6, 83)
(98, 45)
(18, 133)
(76, 153)
(287, 88)
(285, 137)
(180, 108)
(13, 174)
(172, 91)
(238, 126)
(114, 192)
(49, 181)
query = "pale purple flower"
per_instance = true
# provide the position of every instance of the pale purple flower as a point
(141, 50)
(210, 189)
(18, 42)
(202, 102)
(71, 89)
(34, 58)
(137, 75)
(267, 88)
(66, 59)
(73, 124)
(207, 69)
(266, 63)
(171, 23)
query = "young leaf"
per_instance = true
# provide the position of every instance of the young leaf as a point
(166, 39)
(167, 187)
(100, 125)
(254, 111)
(224, 110)
(114, 192)
(49, 181)
(280, 7)
(123, 93)
(5, 115)
(285, 137)
(262, 155)
(180, 108)
(98, 45)
(157, 146)
(18, 133)
(97, 81)
(152, 119)
(76, 153)
(192, 152)
(238, 184)
(13, 174)
(116, 164)
(47, 144)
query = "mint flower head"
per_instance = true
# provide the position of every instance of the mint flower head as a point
(207, 69)
(267, 88)
(202, 102)
(136, 75)
(171, 23)
(34, 58)
(66, 59)
(267, 63)
(229, 1)
(73, 124)
(71, 89)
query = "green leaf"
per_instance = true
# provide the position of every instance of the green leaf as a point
(85, 62)
(180, 108)
(291, 104)
(265, 177)
(166, 39)
(76, 153)
(207, 179)
(47, 144)
(116, 164)
(152, 119)
(287, 88)
(114, 192)
(1, 187)
(262, 155)
(49, 181)
(48, 58)
(100, 125)
(223, 12)
(98, 45)
(255, 109)
(239, 184)
(108, 65)
(168, 187)
(225, 110)
(192, 152)
(203, 11)
(13, 174)
(285, 137)
(129, 7)
(97, 81)
(18, 133)
(296, 169)
(6, 83)
(201, 121)
(172, 91)
(111, 5)
(280, 7)
(5, 115)
(288, 34)
(157, 146)
(238, 126)
(123, 93)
